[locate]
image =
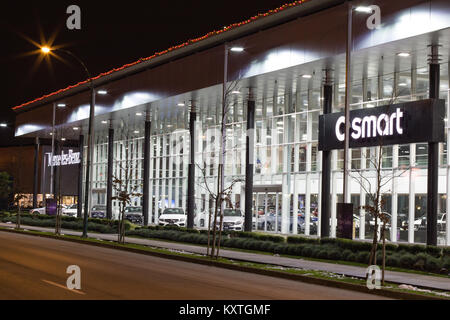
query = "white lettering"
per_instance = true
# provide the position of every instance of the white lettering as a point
(372, 126)
(369, 123)
(356, 126)
(340, 136)
(63, 159)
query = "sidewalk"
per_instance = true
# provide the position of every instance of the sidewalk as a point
(418, 280)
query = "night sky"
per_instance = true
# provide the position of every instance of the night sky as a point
(112, 33)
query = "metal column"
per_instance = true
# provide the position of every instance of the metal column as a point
(191, 170)
(36, 173)
(249, 149)
(80, 178)
(110, 173)
(326, 165)
(433, 155)
(146, 195)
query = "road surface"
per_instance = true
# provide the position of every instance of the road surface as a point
(35, 268)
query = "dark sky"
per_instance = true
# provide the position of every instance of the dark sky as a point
(112, 33)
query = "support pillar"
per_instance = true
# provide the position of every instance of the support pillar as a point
(326, 164)
(80, 178)
(36, 173)
(249, 150)
(146, 195)
(433, 155)
(110, 173)
(191, 170)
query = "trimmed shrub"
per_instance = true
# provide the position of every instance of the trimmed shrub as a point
(258, 236)
(302, 240)
(434, 251)
(393, 260)
(433, 264)
(407, 260)
(363, 256)
(420, 260)
(307, 251)
(351, 257)
(334, 255)
(345, 254)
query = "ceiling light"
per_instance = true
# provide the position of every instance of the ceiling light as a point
(181, 105)
(403, 84)
(136, 131)
(237, 49)
(51, 133)
(139, 114)
(61, 105)
(363, 9)
(403, 54)
(63, 139)
(307, 76)
(103, 92)
(235, 92)
(104, 122)
(3, 125)
(76, 128)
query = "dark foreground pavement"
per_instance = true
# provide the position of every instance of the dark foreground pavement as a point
(35, 268)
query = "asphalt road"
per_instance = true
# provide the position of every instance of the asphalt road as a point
(35, 268)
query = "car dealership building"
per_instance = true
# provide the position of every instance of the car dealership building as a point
(159, 120)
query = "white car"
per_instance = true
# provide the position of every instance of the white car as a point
(173, 217)
(71, 210)
(233, 219)
(37, 211)
(442, 221)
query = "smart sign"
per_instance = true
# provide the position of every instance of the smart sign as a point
(410, 122)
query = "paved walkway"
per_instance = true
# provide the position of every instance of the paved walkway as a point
(413, 279)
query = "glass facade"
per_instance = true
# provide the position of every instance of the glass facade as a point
(286, 157)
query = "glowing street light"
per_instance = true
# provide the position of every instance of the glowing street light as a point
(46, 50)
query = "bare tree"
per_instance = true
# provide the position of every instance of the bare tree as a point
(124, 188)
(222, 194)
(374, 191)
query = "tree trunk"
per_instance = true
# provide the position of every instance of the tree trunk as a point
(214, 228)
(220, 229)
(384, 254)
(18, 217)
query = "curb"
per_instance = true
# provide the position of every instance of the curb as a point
(272, 273)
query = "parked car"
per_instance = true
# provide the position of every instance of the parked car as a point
(71, 211)
(37, 211)
(173, 217)
(98, 211)
(233, 219)
(134, 215)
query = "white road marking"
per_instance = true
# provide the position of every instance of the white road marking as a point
(63, 287)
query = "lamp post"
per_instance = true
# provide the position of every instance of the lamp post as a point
(348, 80)
(221, 180)
(47, 50)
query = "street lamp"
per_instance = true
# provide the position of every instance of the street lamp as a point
(362, 9)
(221, 177)
(47, 50)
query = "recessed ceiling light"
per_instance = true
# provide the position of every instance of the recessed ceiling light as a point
(403, 54)
(363, 9)
(181, 105)
(51, 133)
(237, 49)
(307, 76)
(136, 131)
(61, 105)
(102, 92)
(104, 122)
(403, 84)
(235, 92)
(76, 128)
(169, 126)
(209, 118)
(139, 114)
(3, 125)
(63, 139)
